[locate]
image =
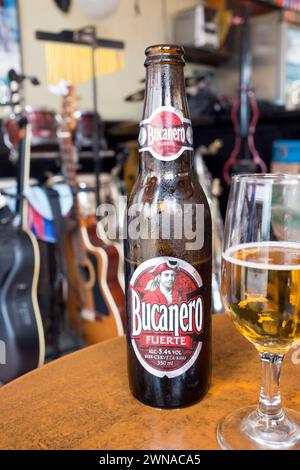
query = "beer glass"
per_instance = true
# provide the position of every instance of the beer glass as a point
(261, 293)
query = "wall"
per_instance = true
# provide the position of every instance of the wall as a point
(136, 31)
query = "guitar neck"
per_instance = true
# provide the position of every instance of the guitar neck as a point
(245, 74)
(24, 175)
(70, 177)
(69, 164)
(69, 160)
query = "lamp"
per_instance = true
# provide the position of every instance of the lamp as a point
(97, 9)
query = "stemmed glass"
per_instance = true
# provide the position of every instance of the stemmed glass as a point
(261, 293)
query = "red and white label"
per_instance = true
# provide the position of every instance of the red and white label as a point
(166, 315)
(166, 134)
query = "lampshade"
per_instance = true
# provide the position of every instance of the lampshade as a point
(73, 63)
(97, 9)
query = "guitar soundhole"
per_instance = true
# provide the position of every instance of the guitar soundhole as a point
(85, 271)
(99, 301)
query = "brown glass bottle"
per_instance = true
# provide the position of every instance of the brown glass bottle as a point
(168, 280)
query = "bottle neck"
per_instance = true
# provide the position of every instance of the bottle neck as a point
(166, 87)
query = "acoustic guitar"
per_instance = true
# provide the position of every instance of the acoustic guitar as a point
(96, 300)
(21, 327)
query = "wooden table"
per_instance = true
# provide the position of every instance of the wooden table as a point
(82, 401)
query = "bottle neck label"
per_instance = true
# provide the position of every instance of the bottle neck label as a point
(166, 305)
(166, 134)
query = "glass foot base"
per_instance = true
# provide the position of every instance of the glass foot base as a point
(247, 429)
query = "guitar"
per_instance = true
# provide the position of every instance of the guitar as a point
(91, 264)
(244, 157)
(111, 193)
(21, 326)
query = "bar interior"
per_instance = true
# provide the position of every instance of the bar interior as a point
(149, 225)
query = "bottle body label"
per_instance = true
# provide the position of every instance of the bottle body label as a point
(166, 134)
(166, 309)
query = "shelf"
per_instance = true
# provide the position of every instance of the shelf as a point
(201, 55)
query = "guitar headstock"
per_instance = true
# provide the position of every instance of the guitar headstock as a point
(14, 126)
(15, 91)
(15, 81)
(69, 107)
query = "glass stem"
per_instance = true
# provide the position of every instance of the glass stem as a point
(270, 401)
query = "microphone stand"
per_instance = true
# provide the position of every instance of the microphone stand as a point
(88, 35)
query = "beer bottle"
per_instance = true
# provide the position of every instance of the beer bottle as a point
(168, 248)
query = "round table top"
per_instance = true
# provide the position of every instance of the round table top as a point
(82, 401)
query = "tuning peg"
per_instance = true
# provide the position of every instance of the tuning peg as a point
(34, 81)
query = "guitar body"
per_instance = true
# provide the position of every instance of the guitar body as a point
(92, 309)
(237, 164)
(74, 299)
(111, 253)
(108, 296)
(21, 326)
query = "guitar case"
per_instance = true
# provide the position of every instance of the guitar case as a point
(49, 213)
(20, 323)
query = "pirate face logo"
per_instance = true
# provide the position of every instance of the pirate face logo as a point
(167, 279)
(164, 276)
